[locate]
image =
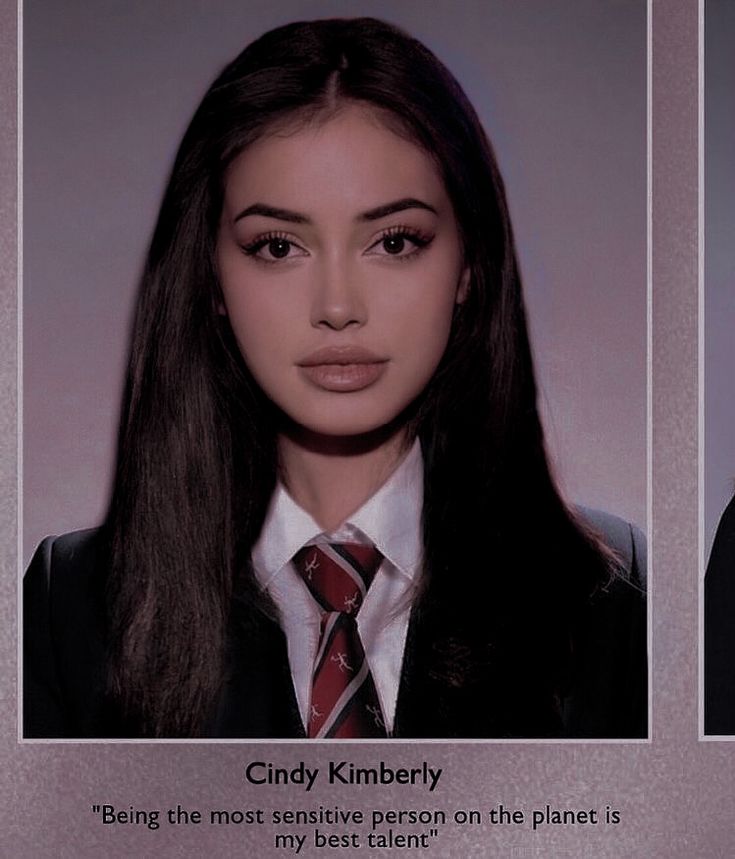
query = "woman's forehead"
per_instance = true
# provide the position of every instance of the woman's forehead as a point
(353, 159)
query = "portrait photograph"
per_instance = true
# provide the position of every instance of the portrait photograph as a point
(334, 372)
(719, 359)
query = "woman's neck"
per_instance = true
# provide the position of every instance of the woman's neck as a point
(332, 478)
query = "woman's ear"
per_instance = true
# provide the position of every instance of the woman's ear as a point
(463, 287)
(221, 309)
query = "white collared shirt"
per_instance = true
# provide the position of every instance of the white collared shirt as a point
(391, 520)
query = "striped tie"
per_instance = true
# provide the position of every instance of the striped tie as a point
(344, 702)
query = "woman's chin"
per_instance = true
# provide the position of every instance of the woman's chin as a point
(341, 437)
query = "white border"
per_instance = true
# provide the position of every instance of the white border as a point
(700, 382)
(649, 356)
(19, 378)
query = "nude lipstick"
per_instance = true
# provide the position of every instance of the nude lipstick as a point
(342, 369)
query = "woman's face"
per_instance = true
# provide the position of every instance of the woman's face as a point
(340, 264)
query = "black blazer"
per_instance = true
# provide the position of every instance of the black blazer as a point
(719, 629)
(606, 695)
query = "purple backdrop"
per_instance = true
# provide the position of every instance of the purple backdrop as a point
(562, 90)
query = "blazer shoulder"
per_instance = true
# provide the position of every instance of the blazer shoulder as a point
(65, 560)
(722, 557)
(610, 695)
(626, 540)
(719, 630)
(73, 547)
(64, 637)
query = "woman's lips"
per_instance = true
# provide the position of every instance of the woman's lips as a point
(342, 369)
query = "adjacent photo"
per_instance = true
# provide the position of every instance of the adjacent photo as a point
(719, 360)
(335, 373)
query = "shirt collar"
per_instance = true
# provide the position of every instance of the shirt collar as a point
(391, 519)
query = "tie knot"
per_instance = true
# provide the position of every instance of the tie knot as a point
(338, 575)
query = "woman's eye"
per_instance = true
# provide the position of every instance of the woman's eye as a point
(399, 244)
(394, 244)
(274, 248)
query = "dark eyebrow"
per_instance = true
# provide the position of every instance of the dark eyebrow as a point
(398, 206)
(272, 212)
(371, 215)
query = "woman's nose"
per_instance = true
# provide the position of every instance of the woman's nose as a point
(338, 300)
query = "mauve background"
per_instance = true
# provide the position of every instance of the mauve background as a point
(108, 89)
(719, 261)
(676, 795)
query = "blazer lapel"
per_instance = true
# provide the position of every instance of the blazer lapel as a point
(258, 699)
(455, 685)
(442, 694)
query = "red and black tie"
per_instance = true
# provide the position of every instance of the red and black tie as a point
(344, 702)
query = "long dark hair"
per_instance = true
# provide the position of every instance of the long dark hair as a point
(197, 461)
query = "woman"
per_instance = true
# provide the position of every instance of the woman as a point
(333, 513)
